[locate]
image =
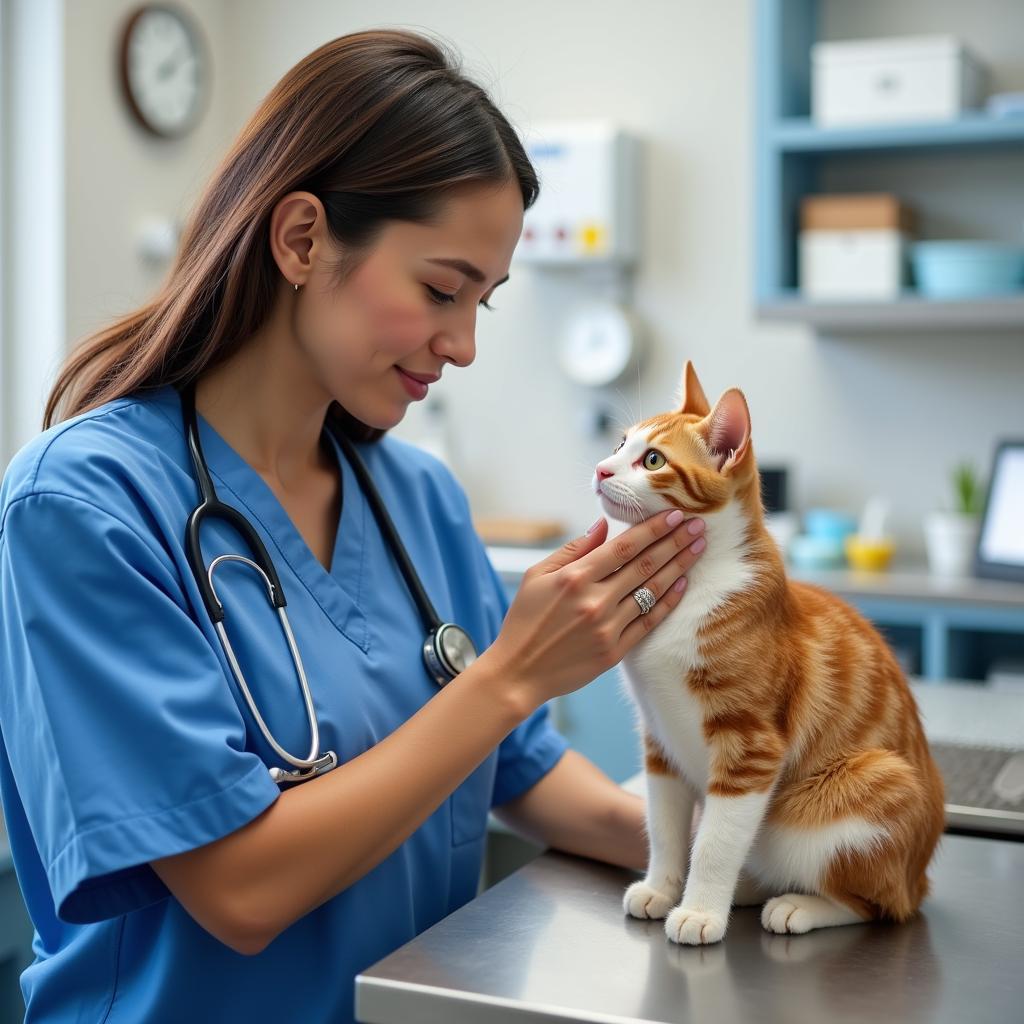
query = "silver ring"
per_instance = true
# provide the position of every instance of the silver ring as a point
(645, 598)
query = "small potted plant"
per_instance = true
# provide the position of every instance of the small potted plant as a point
(950, 536)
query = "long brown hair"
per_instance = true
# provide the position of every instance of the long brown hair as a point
(380, 126)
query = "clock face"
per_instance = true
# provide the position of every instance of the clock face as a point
(163, 69)
(599, 345)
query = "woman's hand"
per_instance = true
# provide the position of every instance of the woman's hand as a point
(574, 615)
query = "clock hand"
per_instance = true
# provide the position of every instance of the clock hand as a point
(169, 66)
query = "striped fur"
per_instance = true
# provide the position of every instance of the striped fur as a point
(774, 703)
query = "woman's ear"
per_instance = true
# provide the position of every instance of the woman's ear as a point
(727, 430)
(296, 226)
(691, 394)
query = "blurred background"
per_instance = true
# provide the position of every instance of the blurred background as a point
(821, 203)
(886, 408)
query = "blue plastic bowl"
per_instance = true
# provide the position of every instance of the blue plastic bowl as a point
(829, 524)
(808, 552)
(955, 270)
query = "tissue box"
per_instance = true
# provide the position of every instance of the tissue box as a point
(853, 246)
(879, 81)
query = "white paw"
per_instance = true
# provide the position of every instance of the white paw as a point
(694, 927)
(796, 913)
(645, 900)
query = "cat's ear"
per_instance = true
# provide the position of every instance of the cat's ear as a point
(691, 394)
(727, 430)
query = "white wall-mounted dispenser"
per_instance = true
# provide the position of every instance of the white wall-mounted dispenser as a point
(587, 211)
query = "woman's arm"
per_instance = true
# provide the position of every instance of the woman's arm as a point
(318, 838)
(572, 619)
(578, 809)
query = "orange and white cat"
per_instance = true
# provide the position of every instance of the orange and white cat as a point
(773, 703)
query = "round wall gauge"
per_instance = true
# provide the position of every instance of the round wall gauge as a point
(600, 344)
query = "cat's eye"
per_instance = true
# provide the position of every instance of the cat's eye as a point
(619, 445)
(654, 460)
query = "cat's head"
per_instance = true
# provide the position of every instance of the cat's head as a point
(695, 458)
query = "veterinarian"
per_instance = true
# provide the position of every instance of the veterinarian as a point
(247, 751)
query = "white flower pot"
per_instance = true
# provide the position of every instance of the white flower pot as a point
(950, 539)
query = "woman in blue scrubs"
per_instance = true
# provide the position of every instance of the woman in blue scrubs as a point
(332, 269)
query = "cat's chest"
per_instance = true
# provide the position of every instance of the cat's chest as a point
(656, 670)
(655, 673)
(673, 716)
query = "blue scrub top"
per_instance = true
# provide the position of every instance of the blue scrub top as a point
(123, 738)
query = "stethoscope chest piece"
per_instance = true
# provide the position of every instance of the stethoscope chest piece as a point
(447, 651)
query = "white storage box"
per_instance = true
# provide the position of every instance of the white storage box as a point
(884, 81)
(854, 246)
(864, 264)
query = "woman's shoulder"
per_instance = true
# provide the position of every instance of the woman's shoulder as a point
(93, 456)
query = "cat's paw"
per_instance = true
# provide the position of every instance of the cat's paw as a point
(645, 900)
(694, 927)
(797, 913)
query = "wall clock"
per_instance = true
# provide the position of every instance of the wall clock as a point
(164, 69)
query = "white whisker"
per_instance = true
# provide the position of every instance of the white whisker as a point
(629, 408)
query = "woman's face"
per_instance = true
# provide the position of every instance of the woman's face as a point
(410, 306)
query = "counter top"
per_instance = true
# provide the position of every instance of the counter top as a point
(908, 583)
(551, 944)
(915, 584)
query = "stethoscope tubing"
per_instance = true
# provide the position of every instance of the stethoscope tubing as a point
(211, 507)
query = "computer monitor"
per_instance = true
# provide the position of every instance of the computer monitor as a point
(1000, 550)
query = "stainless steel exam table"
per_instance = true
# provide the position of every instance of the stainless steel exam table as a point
(550, 943)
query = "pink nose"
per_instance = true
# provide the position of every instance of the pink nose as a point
(603, 474)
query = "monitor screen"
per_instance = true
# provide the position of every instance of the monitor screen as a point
(1001, 541)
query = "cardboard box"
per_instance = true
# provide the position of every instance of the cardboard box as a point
(856, 211)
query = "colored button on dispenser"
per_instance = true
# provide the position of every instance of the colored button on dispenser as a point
(592, 237)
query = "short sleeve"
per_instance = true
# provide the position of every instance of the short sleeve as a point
(123, 736)
(534, 747)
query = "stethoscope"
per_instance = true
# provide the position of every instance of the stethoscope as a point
(447, 649)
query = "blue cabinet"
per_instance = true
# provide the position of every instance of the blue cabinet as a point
(940, 630)
(599, 722)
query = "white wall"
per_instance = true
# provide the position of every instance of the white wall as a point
(81, 176)
(33, 216)
(117, 173)
(885, 414)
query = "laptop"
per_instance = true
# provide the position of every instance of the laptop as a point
(976, 735)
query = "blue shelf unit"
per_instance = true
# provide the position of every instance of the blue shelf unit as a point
(793, 158)
(801, 135)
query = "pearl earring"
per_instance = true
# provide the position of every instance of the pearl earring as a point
(296, 287)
